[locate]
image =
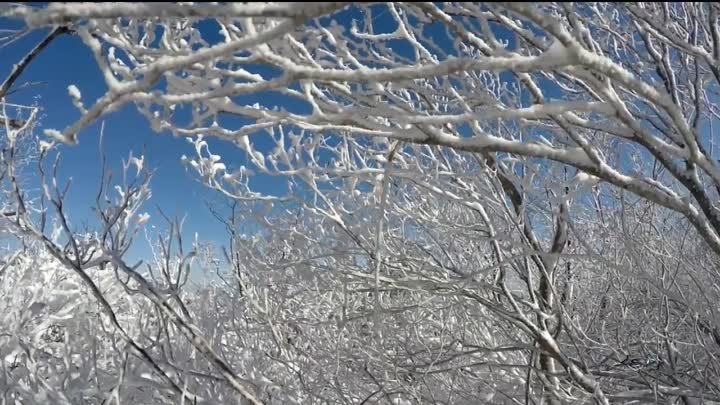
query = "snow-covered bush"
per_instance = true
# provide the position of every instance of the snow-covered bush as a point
(484, 202)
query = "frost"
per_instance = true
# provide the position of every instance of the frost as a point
(440, 240)
(74, 92)
(585, 180)
(44, 146)
(244, 143)
(557, 51)
(138, 163)
(143, 218)
(69, 138)
(217, 167)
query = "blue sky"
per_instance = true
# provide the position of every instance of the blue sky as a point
(67, 61)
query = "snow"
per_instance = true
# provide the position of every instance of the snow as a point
(138, 163)
(217, 168)
(74, 92)
(44, 146)
(557, 51)
(585, 180)
(437, 210)
(64, 138)
(143, 218)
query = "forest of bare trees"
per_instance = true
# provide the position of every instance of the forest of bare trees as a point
(483, 203)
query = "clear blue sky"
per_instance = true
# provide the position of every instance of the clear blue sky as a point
(67, 61)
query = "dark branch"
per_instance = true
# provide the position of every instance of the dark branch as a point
(25, 61)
